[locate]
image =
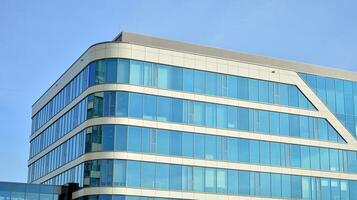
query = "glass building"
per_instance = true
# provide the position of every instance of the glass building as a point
(147, 118)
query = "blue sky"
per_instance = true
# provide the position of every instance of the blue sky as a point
(40, 39)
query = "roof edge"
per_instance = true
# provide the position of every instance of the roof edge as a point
(149, 41)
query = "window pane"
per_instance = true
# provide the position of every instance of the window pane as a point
(134, 139)
(199, 81)
(119, 173)
(163, 109)
(163, 141)
(264, 153)
(134, 170)
(276, 185)
(111, 72)
(121, 104)
(149, 111)
(243, 150)
(232, 117)
(210, 147)
(211, 83)
(296, 187)
(254, 151)
(198, 179)
(325, 188)
(244, 183)
(187, 144)
(243, 88)
(232, 84)
(199, 113)
(211, 115)
(135, 105)
(188, 80)
(210, 180)
(199, 145)
(136, 72)
(123, 71)
(162, 176)
(232, 182)
(243, 119)
(265, 187)
(286, 183)
(147, 175)
(108, 138)
(221, 116)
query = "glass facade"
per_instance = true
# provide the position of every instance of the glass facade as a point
(166, 109)
(121, 138)
(146, 175)
(340, 96)
(58, 166)
(23, 191)
(172, 78)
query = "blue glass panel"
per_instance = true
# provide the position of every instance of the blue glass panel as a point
(199, 81)
(119, 175)
(243, 88)
(177, 110)
(221, 116)
(120, 138)
(133, 168)
(198, 179)
(276, 185)
(243, 119)
(175, 177)
(222, 180)
(163, 142)
(232, 182)
(232, 83)
(263, 91)
(164, 109)
(187, 144)
(121, 104)
(123, 71)
(325, 189)
(136, 73)
(188, 80)
(147, 175)
(254, 151)
(210, 180)
(265, 184)
(243, 189)
(135, 105)
(243, 150)
(264, 153)
(162, 176)
(199, 146)
(210, 147)
(176, 143)
(149, 110)
(134, 139)
(232, 117)
(286, 189)
(211, 82)
(253, 89)
(211, 115)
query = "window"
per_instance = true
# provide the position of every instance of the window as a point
(211, 82)
(199, 81)
(162, 176)
(210, 180)
(199, 113)
(265, 185)
(243, 88)
(232, 117)
(221, 116)
(121, 104)
(175, 143)
(187, 144)
(221, 181)
(111, 71)
(119, 175)
(243, 150)
(264, 153)
(135, 105)
(136, 72)
(286, 189)
(198, 179)
(244, 183)
(295, 156)
(147, 175)
(325, 188)
(134, 139)
(149, 108)
(253, 90)
(164, 109)
(232, 84)
(108, 138)
(276, 185)
(243, 119)
(232, 182)
(211, 115)
(199, 145)
(123, 71)
(254, 151)
(210, 147)
(275, 154)
(263, 91)
(188, 80)
(163, 142)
